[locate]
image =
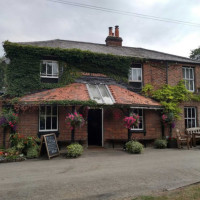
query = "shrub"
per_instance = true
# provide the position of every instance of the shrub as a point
(160, 144)
(33, 152)
(134, 147)
(74, 150)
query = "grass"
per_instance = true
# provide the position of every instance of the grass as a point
(186, 193)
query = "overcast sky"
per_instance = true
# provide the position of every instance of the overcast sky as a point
(35, 20)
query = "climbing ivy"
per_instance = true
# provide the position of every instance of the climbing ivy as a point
(169, 96)
(23, 73)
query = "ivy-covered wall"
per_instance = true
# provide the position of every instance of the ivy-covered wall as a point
(23, 74)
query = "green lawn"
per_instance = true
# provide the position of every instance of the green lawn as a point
(187, 193)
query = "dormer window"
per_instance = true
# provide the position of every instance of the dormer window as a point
(49, 69)
(135, 77)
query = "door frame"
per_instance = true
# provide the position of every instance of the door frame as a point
(102, 134)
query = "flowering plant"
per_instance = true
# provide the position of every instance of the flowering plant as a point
(75, 120)
(9, 119)
(131, 121)
(168, 118)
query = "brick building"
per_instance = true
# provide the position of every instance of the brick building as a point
(104, 123)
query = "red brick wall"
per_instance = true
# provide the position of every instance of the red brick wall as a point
(154, 74)
(64, 129)
(114, 129)
(28, 122)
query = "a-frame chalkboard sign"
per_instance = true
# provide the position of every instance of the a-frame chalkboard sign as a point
(50, 144)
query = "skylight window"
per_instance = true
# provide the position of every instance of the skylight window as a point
(100, 94)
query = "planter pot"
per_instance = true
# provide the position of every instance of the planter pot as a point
(172, 144)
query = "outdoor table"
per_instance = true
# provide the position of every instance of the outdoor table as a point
(195, 133)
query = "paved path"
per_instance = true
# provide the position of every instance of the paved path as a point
(99, 174)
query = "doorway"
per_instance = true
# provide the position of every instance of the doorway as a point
(95, 127)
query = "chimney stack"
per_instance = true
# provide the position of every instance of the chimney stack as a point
(113, 39)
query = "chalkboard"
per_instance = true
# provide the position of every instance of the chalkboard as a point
(51, 145)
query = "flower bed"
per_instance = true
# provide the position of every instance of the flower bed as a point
(11, 155)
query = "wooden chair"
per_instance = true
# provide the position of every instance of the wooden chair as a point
(183, 139)
(195, 133)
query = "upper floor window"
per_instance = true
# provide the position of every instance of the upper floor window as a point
(188, 77)
(100, 94)
(190, 115)
(48, 118)
(135, 73)
(139, 112)
(49, 69)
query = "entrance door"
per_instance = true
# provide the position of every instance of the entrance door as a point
(95, 127)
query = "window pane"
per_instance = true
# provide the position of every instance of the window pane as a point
(48, 111)
(191, 74)
(189, 113)
(140, 113)
(187, 73)
(139, 74)
(187, 84)
(193, 112)
(134, 74)
(55, 69)
(183, 70)
(130, 74)
(191, 85)
(43, 70)
(49, 69)
(54, 112)
(48, 123)
(105, 94)
(95, 93)
(42, 123)
(189, 123)
(42, 110)
(54, 122)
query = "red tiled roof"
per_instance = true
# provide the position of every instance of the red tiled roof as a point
(74, 91)
(79, 92)
(124, 96)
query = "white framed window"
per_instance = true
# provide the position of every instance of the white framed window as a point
(48, 118)
(139, 112)
(100, 94)
(135, 73)
(49, 69)
(190, 115)
(188, 77)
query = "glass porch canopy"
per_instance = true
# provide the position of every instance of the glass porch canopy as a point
(100, 93)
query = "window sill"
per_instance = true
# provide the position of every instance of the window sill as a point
(40, 133)
(138, 131)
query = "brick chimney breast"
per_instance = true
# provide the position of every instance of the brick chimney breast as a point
(114, 39)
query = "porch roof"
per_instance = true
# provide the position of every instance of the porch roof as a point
(79, 92)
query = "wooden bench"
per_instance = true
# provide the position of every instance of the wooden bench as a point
(195, 133)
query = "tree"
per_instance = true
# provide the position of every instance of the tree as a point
(195, 54)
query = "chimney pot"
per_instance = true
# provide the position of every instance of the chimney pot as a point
(116, 31)
(110, 31)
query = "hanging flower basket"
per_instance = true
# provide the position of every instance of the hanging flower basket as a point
(131, 121)
(75, 120)
(9, 119)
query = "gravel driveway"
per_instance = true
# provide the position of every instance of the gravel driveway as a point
(99, 174)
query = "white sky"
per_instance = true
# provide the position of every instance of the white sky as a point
(34, 20)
